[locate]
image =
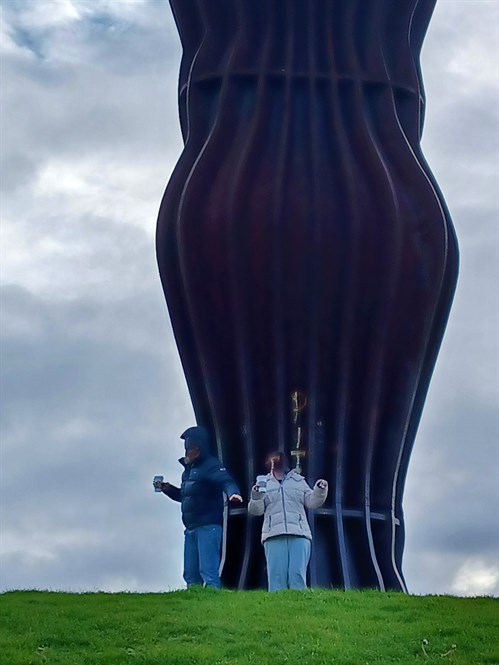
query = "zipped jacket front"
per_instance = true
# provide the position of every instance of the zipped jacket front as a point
(283, 505)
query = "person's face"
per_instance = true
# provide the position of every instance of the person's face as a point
(192, 454)
(278, 462)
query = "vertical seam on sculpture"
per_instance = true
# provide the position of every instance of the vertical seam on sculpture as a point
(181, 284)
(381, 347)
(184, 271)
(278, 332)
(351, 300)
(316, 217)
(369, 147)
(396, 490)
(188, 85)
(236, 299)
(333, 84)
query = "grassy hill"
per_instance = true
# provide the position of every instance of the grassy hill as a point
(210, 627)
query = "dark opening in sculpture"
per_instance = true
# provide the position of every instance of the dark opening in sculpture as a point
(308, 260)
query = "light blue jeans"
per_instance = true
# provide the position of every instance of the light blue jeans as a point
(287, 561)
(202, 555)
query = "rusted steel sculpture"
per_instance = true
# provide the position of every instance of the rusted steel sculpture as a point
(308, 260)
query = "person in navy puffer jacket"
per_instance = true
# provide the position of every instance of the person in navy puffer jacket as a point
(204, 479)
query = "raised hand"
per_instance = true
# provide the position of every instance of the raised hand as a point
(235, 498)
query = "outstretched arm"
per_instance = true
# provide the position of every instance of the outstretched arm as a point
(171, 491)
(224, 480)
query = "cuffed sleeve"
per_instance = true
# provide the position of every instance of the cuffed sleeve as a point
(256, 505)
(173, 492)
(316, 497)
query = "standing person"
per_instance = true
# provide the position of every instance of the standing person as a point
(203, 480)
(282, 498)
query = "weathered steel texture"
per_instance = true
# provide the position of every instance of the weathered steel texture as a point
(303, 244)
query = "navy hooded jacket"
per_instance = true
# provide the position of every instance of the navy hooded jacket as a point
(200, 493)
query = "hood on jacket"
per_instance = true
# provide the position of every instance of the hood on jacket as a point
(197, 437)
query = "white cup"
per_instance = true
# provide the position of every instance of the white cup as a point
(261, 481)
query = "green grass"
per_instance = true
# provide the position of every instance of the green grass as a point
(210, 627)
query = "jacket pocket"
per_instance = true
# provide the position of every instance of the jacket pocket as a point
(267, 523)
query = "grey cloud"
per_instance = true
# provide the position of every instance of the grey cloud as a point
(460, 74)
(84, 348)
(91, 115)
(434, 572)
(133, 556)
(467, 127)
(90, 412)
(451, 493)
(85, 253)
(100, 95)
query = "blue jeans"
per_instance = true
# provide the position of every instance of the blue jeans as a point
(287, 561)
(202, 555)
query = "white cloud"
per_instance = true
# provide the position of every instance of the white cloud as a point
(473, 62)
(75, 429)
(43, 544)
(120, 583)
(43, 14)
(109, 189)
(10, 48)
(477, 577)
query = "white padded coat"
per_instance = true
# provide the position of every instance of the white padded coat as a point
(283, 505)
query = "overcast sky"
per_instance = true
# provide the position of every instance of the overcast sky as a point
(93, 394)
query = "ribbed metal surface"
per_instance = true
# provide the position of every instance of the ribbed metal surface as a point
(303, 244)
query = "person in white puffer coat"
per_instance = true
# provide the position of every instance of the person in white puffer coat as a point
(282, 498)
